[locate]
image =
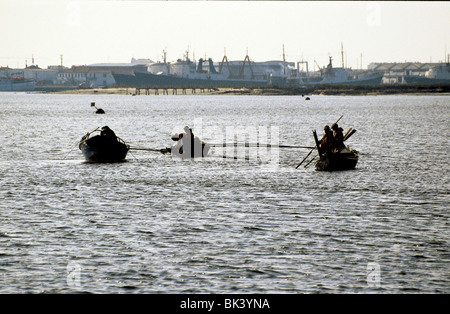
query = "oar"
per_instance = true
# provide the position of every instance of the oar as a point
(338, 120)
(309, 162)
(288, 146)
(305, 158)
(346, 133)
(347, 136)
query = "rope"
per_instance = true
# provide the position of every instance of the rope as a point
(257, 145)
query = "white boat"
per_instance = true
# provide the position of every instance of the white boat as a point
(331, 75)
(436, 75)
(188, 146)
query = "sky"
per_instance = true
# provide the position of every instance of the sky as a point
(95, 31)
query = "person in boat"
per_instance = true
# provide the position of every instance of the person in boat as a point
(187, 142)
(108, 134)
(327, 141)
(338, 136)
(191, 146)
(188, 132)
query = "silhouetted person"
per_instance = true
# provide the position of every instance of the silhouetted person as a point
(108, 134)
(327, 141)
(338, 137)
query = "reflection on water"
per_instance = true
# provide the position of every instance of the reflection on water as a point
(155, 224)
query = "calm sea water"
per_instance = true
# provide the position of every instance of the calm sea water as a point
(159, 225)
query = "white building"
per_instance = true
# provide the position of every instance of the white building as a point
(97, 75)
(41, 76)
(7, 72)
(85, 76)
(395, 72)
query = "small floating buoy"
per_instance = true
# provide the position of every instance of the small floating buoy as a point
(99, 110)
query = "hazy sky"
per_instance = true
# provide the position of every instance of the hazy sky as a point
(93, 31)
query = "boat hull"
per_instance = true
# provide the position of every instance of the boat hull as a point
(373, 80)
(420, 80)
(337, 162)
(98, 149)
(198, 151)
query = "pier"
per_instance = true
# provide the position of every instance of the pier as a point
(165, 91)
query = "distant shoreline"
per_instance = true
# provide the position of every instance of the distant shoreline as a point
(343, 90)
(337, 90)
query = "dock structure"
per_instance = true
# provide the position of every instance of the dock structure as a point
(165, 91)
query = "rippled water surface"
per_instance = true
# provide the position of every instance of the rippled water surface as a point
(159, 225)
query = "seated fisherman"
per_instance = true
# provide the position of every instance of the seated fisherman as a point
(192, 146)
(108, 133)
(327, 141)
(338, 138)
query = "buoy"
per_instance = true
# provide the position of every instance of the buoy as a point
(99, 110)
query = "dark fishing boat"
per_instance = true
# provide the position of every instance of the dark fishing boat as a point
(346, 159)
(104, 147)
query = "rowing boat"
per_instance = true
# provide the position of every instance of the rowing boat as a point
(187, 145)
(103, 147)
(346, 159)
